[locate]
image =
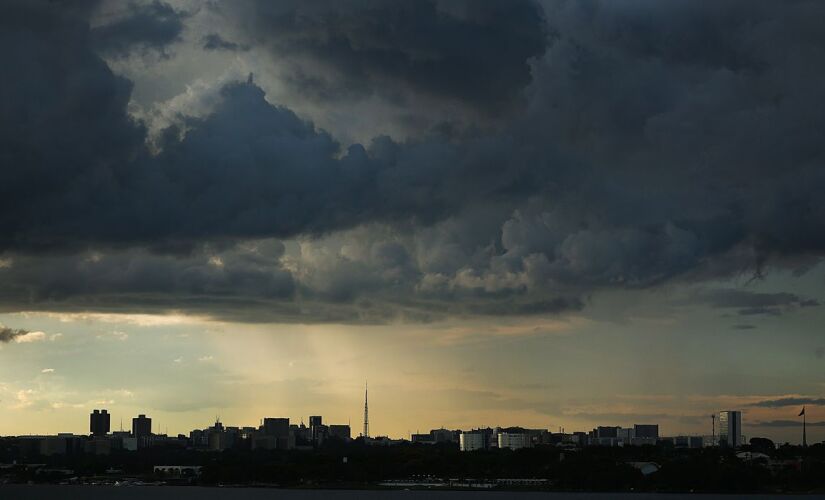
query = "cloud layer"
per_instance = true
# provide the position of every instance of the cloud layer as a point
(595, 145)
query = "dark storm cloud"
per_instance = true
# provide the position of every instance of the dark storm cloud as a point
(144, 27)
(7, 334)
(781, 403)
(466, 51)
(237, 274)
(553, 306)
(214, 41)
(65, 137)
(655, 141)
(754, 303)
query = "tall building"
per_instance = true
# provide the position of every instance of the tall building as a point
(316, 429)
(730, 428)
(99, 422)
(141, 427)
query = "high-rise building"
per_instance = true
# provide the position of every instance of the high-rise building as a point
(99, 422)
(730, 428)
(316, 430)
(141, 427)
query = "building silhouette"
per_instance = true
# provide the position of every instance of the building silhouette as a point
(275, 434)
(141, 426)
(730, 428)
(646, 431)
(342, 432)
(99, 422)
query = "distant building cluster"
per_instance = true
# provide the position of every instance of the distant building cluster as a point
(280, 434)
(513, 438)
(273, 433)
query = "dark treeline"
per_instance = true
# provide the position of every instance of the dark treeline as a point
(354, 465)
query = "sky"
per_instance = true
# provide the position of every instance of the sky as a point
(552, 214)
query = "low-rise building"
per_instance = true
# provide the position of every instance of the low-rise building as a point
(514, 440)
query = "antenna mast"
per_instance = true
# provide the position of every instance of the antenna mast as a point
(366, 412)
(713, 436)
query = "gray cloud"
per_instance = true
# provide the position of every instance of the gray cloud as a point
(780, 403)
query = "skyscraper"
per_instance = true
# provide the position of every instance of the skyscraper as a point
(316, 429)
(99, 421)
(141, 427)
(730, 428)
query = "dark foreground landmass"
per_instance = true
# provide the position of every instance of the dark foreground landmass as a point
(47, 492)
(347, 466)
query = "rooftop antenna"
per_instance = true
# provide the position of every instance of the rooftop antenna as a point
(366, 412)
(713, 422)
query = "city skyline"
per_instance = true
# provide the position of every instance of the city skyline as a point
(531, 213)
(722, 426)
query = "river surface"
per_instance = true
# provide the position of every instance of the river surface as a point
(20, 492)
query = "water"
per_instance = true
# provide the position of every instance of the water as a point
(17, 492)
